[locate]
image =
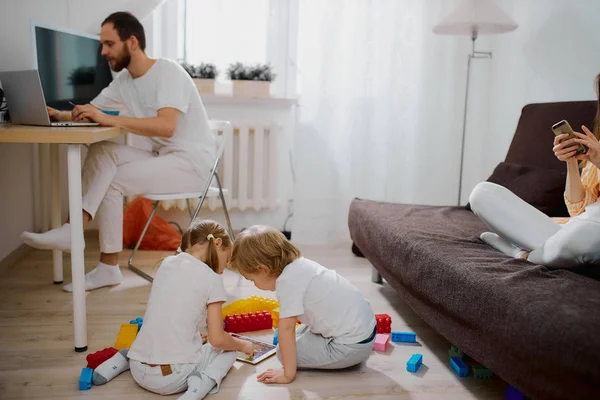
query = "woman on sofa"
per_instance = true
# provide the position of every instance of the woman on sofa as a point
(522, 231)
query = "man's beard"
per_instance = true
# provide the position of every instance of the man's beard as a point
(123, 60)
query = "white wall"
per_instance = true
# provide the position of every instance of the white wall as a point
(17, 161)
(554, 55)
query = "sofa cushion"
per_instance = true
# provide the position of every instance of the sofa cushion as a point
(543, 188)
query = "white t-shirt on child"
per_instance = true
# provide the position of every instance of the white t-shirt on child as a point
(165, 84)
(325, 301)
(181, 292)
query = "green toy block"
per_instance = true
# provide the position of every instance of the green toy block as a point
(455, 352)
(481, 372)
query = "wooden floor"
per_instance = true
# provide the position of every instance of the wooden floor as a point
(37, 358)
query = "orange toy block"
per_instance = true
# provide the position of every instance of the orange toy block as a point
(275, 316)
(127, 335)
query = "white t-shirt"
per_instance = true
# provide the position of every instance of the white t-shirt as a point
(325, 301)
(176, 311)
(165, 84)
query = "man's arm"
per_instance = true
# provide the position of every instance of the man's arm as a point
(163, 125)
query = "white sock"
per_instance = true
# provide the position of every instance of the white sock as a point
(54, 239)
(102, 275)
(198, 387)
(502, 245)
(111, 368)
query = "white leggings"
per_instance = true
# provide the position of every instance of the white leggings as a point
(553, 245)
(113, 170)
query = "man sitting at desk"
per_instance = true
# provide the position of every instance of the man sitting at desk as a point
(161, 104)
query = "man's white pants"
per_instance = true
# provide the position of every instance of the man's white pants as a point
(553, 245)
(112, 171)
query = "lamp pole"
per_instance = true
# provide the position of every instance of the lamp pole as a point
(474, 54)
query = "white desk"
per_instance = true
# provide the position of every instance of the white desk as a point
(74, 138)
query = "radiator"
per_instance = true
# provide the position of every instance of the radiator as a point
(248, 170)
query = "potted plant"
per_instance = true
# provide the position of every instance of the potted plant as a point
(203, 76)
(82, 79)
(251, 81)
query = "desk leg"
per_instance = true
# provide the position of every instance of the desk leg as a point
(77, 244)
(57, 255)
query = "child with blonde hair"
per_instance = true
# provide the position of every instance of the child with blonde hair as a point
(168, 356)
(338, 323)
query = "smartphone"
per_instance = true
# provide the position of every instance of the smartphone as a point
(563, 127)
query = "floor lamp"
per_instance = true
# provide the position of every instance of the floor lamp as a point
(473, 18)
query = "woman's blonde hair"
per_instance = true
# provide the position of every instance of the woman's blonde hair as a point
(206, 231)
(261, 245)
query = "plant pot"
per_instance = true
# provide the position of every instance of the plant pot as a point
(251, 89)
(206, 86)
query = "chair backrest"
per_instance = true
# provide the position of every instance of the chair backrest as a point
(223, 131)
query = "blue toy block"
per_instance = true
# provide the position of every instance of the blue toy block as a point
(138, 321)
(407, 337)
(276, 338)
(85, 379)
(459, 367)
(414, 363)
(513, 393)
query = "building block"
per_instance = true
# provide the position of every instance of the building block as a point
(512, 393)
(481, 372)
(406, 337)
(459, 367)
(239, 323)
(381, 342)
(384, 323)
(455, 352)
(97, 358)
(85, 379)
(126, 336)
(251, 304)
(275, 316)
(276, 337)
(138, 322)
(414, 362)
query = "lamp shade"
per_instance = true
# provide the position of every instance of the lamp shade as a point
(474, 17)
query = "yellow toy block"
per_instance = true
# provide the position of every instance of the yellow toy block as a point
(275, 317)
(127, 335)
(251, 304)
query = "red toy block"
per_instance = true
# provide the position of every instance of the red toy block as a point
(97, 358)
(384, 323)
(239, 323)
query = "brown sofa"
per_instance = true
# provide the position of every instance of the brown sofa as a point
(536, 328)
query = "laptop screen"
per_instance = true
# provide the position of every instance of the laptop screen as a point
(70, 66)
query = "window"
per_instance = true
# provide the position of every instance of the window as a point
(226, 31)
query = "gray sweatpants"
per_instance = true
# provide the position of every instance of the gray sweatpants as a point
(316, 351)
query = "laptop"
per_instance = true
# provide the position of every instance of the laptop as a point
(26, 102)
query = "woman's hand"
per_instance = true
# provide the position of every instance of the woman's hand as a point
(274, 376)
(564, 150)
(589, 140)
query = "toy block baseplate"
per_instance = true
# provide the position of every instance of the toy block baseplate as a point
(127, 335)
(85, 379)
(404, 337)
(251, 304)
(384, 323)
(138, 322)
(481, 372)
(97, 358)
(455, 352)
(250, 322)
(381, 342)
(414, 363)
(459, 367)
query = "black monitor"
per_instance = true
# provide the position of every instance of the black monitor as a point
(70, 66)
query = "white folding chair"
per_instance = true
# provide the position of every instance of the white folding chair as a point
(226, 130)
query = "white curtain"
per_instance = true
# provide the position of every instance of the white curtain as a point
(380, 110)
